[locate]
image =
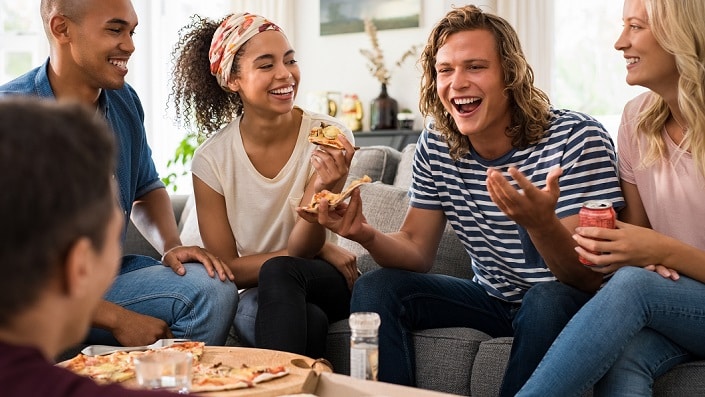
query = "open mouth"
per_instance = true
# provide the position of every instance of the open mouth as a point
(466, 105)
(631, 61)
(283, 91)
(119, 63)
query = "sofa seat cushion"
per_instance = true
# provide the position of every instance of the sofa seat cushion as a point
(377, 162)
(443, 355)
(377, 199)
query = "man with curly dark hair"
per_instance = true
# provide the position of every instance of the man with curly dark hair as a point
(90, 46)
(494, 165)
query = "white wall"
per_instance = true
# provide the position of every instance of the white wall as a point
(334, 63)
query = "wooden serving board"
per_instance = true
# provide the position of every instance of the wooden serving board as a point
(294, 382)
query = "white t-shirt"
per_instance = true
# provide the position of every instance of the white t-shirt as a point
(671, 190)
(261, 211)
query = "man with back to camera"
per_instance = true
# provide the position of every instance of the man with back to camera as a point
(59, 244)
(90, 46)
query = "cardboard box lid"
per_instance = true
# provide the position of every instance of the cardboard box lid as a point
(329, 384)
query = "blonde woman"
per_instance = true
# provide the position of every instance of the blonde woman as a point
(650, 316)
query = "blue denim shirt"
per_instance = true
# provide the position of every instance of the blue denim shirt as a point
(135, 172)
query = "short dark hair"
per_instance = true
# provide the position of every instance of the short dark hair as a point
(57, 162)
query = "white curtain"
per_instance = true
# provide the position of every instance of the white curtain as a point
(280, 12)
(533, 21)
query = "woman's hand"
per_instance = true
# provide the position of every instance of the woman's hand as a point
(343, 260)
(332, 165)
(627, 245)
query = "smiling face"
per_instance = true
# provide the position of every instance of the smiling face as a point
(100, 42)
(268, 74)
(470, 84)
(648, 64)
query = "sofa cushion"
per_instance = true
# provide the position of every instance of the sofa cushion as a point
(384, 207)
(188, 224)
(377, 162)
(443, 355)
(403, 177)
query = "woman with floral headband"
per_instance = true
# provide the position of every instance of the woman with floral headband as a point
(235, 82)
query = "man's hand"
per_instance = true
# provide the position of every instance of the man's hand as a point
(175, 258)
(529, 206)
(134, 329)
(343, 260)
(346, 219)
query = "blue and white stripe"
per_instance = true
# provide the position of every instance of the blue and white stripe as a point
(504, 259)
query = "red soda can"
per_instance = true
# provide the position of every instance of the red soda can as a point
(596, 213)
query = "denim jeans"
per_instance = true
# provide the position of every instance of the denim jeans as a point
(408, 301)
(195, 305)
(295, 301)
(244, 322)
(635, 329)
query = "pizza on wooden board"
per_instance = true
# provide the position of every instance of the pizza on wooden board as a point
(119, 367)
(224, 377)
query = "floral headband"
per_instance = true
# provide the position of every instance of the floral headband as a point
(229, 37)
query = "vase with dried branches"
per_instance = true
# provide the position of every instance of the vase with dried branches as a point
(383, 109)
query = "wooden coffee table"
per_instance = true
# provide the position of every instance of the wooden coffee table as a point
(297, 381)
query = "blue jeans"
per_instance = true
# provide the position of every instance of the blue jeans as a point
(408, 301)
(196, 306)
(244, 322)
(635, 329)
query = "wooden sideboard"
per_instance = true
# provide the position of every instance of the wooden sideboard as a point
(397, 139)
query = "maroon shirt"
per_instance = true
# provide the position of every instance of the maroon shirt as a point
(25, 373)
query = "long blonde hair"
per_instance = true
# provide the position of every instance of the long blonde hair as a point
(677, 26)
(528, 104)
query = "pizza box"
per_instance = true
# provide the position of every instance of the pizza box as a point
(328, 384)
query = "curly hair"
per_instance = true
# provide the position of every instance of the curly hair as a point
(529, 105)
(200, 103)
(677, 26)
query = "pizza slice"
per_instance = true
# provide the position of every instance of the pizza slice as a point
(195, 348)
(335, 198)
(110, 368)
(219, 377)
(326, 135)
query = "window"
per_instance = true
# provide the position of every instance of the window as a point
(588, 73)
(23, 43)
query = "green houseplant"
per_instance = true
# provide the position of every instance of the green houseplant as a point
(178, 166)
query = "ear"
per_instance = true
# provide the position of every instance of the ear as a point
(78, 267)
(233, 85)
(59, 28)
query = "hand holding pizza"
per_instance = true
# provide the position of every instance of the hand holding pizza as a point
(346, 219)
(332, 157)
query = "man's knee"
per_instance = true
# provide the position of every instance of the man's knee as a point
(550, 304)
(374, 288)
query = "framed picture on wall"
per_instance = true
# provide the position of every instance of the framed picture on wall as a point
(347, 16)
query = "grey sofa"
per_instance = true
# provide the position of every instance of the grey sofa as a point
(454, 360)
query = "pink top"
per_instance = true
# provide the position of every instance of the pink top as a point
(672, 190)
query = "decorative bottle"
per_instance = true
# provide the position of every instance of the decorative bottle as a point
(383, 111)
(364, 345)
